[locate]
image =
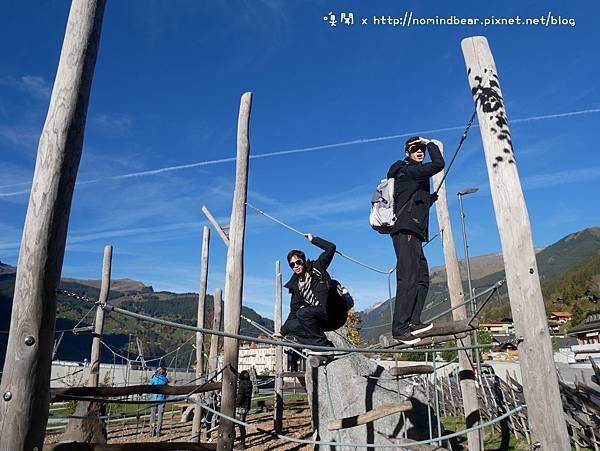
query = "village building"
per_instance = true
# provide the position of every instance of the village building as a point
(588, 337)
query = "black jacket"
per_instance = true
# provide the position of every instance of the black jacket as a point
(412, 198)
(319, 284)
(244, 394)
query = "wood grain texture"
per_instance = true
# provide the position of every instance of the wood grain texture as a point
(217, 325)
(216, 225)
(26, 373)
(111, 392)
(142, 446)
(546, 418)
(278, 410)
(468, 387)
(99, 322)
(235, 275)
(370, 416)
(200, 347)
(412, 369)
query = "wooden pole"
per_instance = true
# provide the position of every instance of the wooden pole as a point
(216, 225)
(540, 382)
(235, 275)
(278, 411)
(214, 339)
(94, 378)
(26, 374)
(457, 297)
(197, 421)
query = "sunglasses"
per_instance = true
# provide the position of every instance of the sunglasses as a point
(415, 148)
(296, 263)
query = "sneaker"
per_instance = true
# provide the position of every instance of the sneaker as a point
(407, 338)
(310, 352)
(420, 328)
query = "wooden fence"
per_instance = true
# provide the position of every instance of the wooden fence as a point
(581, 404)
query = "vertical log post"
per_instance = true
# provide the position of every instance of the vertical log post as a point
(540, 381)
(278, 411)
(457, 296)
(26, 375)
(234, 276)
(214, 339)
(94, 378)
(197, 421)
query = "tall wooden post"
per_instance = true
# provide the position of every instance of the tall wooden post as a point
(197, 421)
(94, 378)
(278, 411)
(540, 381)
(457, 297)
(235, 275)
(26, 375)
(214, 339)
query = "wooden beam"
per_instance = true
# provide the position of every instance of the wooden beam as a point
(197, 420)
(411, 369)
(99, 323)
(142, 446)
(428, 341)
(26, 374)
(540, 381)
(296, 374)
(235, 275)
(278, 410)
(216, 225)
(468, 388)
(111, 392)
(370, 416)
(217, 325)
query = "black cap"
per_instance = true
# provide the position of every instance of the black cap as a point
(409, 142)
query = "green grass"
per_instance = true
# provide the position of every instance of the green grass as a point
(492, 439)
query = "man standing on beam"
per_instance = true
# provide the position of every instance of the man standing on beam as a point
(412, 200)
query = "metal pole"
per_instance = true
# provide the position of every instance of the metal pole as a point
(470, 282)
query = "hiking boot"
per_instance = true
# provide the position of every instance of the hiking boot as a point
(407, 338)
(419, 328)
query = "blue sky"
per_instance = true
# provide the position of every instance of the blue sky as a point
(166, 93)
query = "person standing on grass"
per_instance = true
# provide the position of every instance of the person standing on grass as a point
(159, 378)
(243, 402)
(412, 200)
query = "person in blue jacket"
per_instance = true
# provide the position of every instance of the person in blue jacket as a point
(159, 378)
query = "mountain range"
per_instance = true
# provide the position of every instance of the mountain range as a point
(554, 262)
(557, 265)
(120, 332)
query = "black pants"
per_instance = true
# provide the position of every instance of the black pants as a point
(412, 282)
(309, 326)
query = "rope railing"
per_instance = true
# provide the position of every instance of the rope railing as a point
(363, 445)
(289, 344)
(269, 333)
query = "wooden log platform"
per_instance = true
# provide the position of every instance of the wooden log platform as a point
(450, 328)
(142, 446)
(409, 370)
(426, 341)
(109, 392)
(297, 374)
(370, 416)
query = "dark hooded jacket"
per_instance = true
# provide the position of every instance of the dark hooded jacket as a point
(412, 198)
(320, 281)
(244, 394)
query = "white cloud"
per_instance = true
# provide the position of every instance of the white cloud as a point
(36, 86)
(119, 122)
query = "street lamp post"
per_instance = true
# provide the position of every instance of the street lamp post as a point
(460, 195)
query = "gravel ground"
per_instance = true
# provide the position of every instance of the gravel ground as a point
(296, 423)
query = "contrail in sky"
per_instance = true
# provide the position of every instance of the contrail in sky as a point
(299, 150)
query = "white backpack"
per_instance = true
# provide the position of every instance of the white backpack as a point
(382, 216)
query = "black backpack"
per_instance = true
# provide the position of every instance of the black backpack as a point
(339, 301)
